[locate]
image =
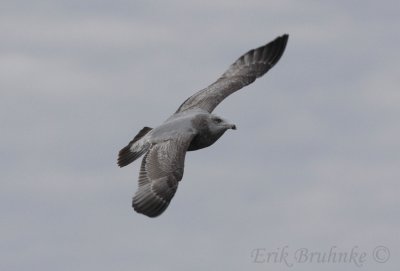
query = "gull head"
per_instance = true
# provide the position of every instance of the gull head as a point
(218, 125)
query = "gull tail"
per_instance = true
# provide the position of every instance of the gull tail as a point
(136, 148)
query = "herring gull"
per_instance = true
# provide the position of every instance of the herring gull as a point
(190, 128)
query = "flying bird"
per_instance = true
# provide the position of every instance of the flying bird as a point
(191, 127)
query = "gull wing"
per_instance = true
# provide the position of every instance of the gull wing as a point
(160, 172)
(242, 72)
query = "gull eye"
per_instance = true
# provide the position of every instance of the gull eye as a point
(218, 120)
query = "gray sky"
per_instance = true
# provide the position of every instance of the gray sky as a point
(314, 163)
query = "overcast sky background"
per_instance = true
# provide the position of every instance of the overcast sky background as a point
(315, 162)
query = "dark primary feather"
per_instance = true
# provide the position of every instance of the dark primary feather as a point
(242, 72)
